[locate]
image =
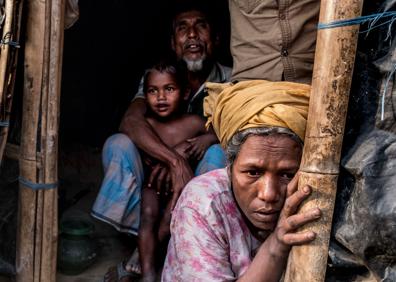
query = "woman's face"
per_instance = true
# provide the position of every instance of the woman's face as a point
(260, 174)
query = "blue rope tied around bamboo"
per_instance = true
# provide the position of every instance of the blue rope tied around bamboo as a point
(6, 41)
(373, 19)
(4, 124)
(359, 20)
(37, 186)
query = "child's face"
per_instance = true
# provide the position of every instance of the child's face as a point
(163, 93)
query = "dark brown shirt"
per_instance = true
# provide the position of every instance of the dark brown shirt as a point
(273, 39)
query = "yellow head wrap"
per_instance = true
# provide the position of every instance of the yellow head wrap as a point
(255, 103)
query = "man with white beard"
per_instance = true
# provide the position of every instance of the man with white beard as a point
(193, 41)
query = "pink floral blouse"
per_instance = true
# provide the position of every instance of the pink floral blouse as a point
(209, 238)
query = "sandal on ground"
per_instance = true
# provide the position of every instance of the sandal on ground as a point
(121, 273)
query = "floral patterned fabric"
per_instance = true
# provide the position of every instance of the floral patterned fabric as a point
(209, 238)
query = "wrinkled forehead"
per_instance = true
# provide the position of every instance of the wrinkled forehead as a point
(276, 141)
(191, 16)
(279, 150)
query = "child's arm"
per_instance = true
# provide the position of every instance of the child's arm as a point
(144, 137)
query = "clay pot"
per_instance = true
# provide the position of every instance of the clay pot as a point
(76, 248)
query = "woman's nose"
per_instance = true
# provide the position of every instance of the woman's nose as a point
(268, 189)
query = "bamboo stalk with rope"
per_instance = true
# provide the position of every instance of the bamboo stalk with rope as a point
(38, 218)
(332, 76)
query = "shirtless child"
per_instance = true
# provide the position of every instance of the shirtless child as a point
(165, 92)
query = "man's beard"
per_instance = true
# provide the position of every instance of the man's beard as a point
(195, 65)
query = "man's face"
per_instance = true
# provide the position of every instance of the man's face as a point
(191, 39)
(260, 174)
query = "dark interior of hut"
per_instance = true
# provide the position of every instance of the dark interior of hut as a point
(105, 54)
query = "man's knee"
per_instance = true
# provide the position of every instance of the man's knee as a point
(214, 158)
(215, 151)
(119, 146)
(117, 141)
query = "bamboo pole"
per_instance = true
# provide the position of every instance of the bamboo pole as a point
(38, 222)
(26, 264)
(5, 48)
(8, 73)
(332, 75)
(50, 121)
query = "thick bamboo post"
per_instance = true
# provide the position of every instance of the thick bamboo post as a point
(26, 264)
(38, 222)
(334, 61)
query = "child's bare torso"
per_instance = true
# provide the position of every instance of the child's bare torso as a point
(178, 130)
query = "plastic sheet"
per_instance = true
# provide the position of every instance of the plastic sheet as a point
(364, 228)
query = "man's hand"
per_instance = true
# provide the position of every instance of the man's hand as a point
(170, 179)
(183, 149)
(289, 222)
(160, 179)
(180, 173)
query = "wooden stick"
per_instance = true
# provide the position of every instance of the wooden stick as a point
(334, 61)
(38, 232)
(50, 125)
(7, 32)
(56, 48)
(5, 48)
(26, 264)
(12, 152)
(44, 251)
(35, 250)
(9, 77)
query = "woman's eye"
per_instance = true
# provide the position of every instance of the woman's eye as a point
(254, 173)
(288, 176)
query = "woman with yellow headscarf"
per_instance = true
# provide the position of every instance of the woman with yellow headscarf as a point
(239, 223)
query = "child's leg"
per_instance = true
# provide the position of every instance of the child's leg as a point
(147, 233)
(164, 227)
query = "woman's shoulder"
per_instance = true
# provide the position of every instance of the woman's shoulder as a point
(215, 181)
(203, 190)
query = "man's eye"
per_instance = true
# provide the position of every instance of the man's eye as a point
(202, 25)
(181, 27)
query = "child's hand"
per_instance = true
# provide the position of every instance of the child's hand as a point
(285, 231)
(199, 145)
